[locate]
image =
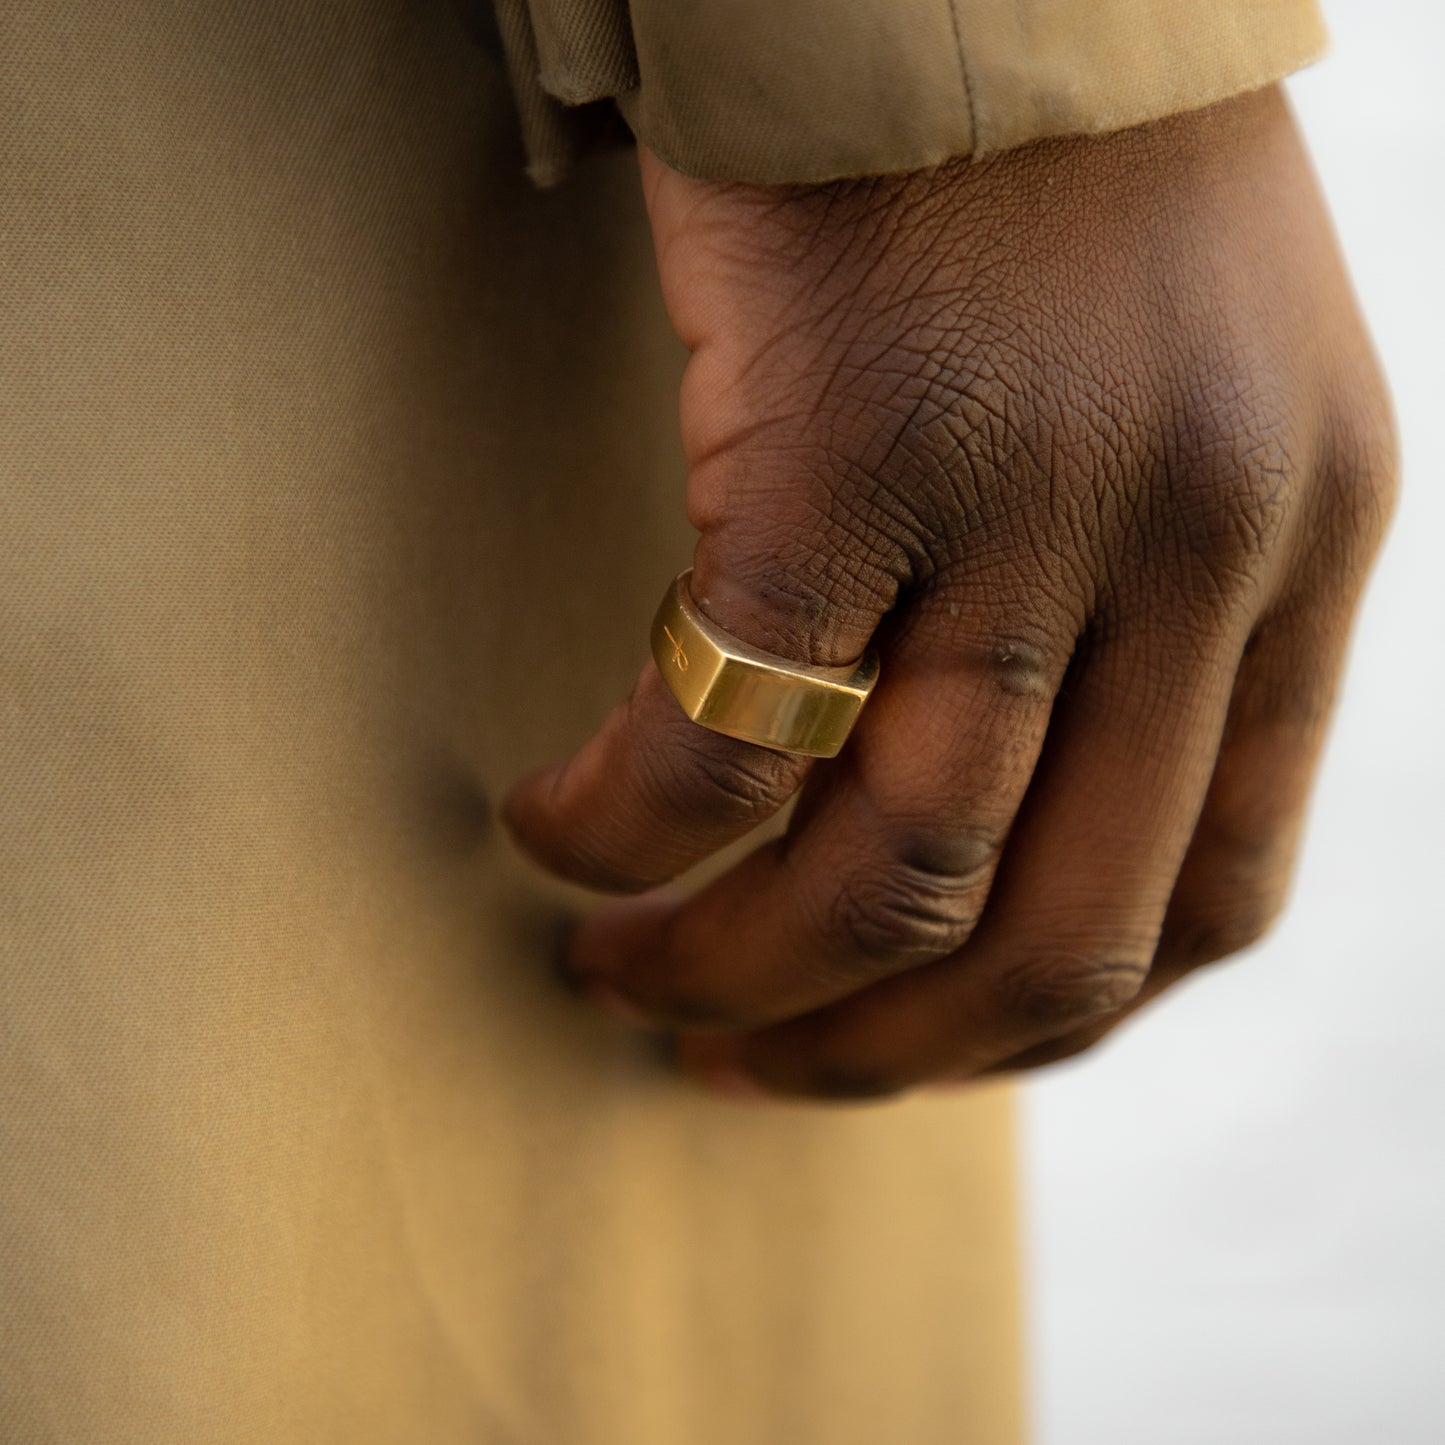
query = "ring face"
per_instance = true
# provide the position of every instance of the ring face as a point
(729, 687)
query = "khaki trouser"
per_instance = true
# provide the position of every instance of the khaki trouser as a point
(338, 479)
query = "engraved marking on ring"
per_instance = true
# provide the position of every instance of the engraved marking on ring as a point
(678, 655)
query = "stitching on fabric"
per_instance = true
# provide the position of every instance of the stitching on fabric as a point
(963, 74)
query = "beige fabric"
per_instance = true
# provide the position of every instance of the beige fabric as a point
(338, 477)
(809, 90)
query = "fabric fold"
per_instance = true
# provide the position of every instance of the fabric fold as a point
(814, 90)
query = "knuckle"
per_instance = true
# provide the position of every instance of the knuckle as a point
(1228, 485)
(1057, 991)
(747, 788)
(1363, 478)
(1022, 669)
(1209, 933)
(802, 577)
(1234, 885)
(793, 606)
(732, 782)
(919, 901)
(1227, 526)
(1027, 662)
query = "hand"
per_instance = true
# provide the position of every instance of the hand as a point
(1088, 440)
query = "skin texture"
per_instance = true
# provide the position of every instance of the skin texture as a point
(1089, 440)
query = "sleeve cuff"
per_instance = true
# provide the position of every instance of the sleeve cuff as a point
(778, 91)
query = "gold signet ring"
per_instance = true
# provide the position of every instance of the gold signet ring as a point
(730, 687)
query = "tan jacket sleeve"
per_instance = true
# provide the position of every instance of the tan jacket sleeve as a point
(808, 90)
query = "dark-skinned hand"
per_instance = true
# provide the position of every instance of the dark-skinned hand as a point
(1088, 440)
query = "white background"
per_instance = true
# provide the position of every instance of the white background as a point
(1237, 1210)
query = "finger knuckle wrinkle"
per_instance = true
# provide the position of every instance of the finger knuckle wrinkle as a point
(1060, 991)
(817, 577)
(1218, 933)
(750, 790)
(919, 902)
(1237, 887)
(744, 789)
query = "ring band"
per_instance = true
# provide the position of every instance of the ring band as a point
(732, 688)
